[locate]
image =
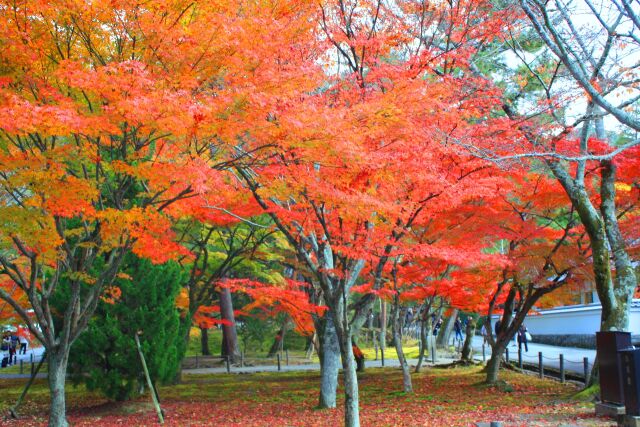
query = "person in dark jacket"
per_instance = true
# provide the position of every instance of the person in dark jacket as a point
(522, 338)
(458, 328)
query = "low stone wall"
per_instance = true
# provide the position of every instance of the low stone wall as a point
(575, 340)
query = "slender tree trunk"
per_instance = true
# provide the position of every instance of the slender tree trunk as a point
(311, 344)
(445, 333)
(329, 364)
(204, 341)
(57, 376)
(397, 339)
(383, 324)
(425, 325)
(370, 326)
(467, 348)
(279, 339)
(230, 346)
(350, 376)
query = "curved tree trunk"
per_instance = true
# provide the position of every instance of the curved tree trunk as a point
(57, 375)
(625, 276)
(493, 365)
(602, 229)
(467, 348)
(425, 325)
(445, 332)
(397, 339)
(278, 341)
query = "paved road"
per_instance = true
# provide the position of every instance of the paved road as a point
(573, 357)
(26, 358)
(551, 355)
(290, 368)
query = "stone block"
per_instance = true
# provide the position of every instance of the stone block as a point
(604, 409)
(630, 421)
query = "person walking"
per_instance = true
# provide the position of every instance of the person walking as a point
(23, 345)
(522, 338)
(458, 328)
(437, 326)
(483, 332)
(13, 349)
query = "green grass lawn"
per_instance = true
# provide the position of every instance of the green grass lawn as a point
(295, 343)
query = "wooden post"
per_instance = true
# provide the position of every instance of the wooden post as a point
(278, 357)
(585, 363)
(520, 357)
(382, 355)
(506, 355)
(242, 358)
(375, 347)
(540, 366)
(562, 378)
(31, 358)
(228, 363)
(433, 347)
(286, 353)
(149, 383)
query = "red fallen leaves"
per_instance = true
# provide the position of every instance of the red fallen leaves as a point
(442, 398)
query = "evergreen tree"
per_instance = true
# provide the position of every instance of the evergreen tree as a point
(105, 356)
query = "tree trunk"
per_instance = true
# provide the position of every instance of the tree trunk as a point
(350, 376)
(614, 317)
(311, 345)
(467, 348)
(625, 277)
(57, 376)
(204, 341)
(445, 333)
(493, 366)
(329, 364)
(425, 325)
(230, 346)
(279, 339)
(383, 324)
(397, 339)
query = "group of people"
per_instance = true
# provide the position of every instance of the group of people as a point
(14, 345)
(522, 336)
(457, 326)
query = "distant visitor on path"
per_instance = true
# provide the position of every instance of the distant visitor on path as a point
(437, 326)
(13, 349)
(23, 345)
(522, 338)
(458, 327)
(359, 356)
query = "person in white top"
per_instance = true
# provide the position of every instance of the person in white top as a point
(23, 345)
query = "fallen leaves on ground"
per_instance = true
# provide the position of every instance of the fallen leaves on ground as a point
(453, 397)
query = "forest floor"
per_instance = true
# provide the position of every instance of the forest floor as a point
(443, 397)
